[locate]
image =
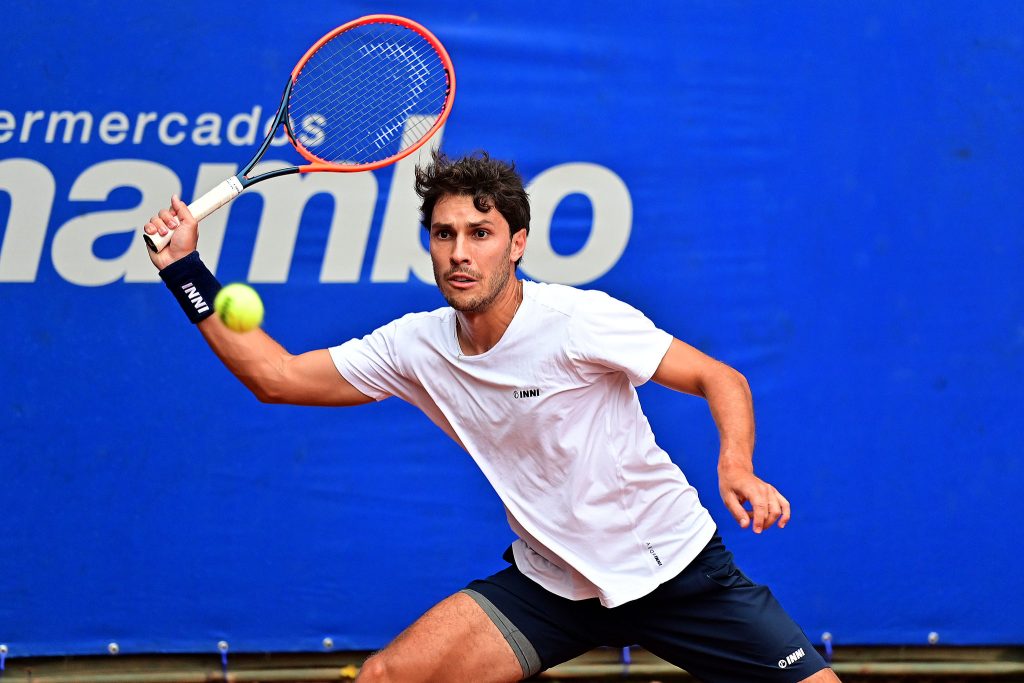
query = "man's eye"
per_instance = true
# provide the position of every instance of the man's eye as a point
(481, 233)
(442, 234)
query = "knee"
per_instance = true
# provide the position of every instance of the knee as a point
(374, 670)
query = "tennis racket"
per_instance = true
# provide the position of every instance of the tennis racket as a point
(367, 94)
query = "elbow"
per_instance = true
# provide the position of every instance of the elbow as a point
(265, 397)
(271, 384)
(266, 393)
(740, 381)
(726, 376)
(264, 389)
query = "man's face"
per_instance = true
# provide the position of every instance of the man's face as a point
(472, 252)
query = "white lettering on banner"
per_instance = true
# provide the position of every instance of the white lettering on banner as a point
(73, 255)
(399, 254)
(163, 128)
(284, 199)
(346, 246)
(141, 121)
(312, 130)
(6, 126)
(26, 126)
(114, 128)
(609, 233)
(207, 130)
(69, 119)
(280, 137)
(399, 250)
(252, 122)
(32, 188)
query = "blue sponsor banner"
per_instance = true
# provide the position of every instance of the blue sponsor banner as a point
(826, 196)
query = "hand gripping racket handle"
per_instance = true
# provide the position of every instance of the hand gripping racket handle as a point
(200, 209)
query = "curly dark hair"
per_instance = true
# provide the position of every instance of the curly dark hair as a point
(490, 182)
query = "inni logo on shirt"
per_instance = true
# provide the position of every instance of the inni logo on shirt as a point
(526, 393)
(650, 549)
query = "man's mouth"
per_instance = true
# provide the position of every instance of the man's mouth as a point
(461, 281)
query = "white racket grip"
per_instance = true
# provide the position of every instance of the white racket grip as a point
(201, 208)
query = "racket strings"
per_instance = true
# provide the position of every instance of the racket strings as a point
(385, 111)
(377, 111)
(371, 110)
(318, 81)
(368, 94)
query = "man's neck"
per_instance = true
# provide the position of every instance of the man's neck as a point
(479, 332)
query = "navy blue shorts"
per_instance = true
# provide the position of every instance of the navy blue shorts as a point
(710, 620)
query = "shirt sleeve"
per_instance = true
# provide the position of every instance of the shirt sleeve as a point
(607, 335)
(371, 364)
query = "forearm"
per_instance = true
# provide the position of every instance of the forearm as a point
(276, 376)
(732, 408)
(253, 357)
(686, 369)
(262, 365)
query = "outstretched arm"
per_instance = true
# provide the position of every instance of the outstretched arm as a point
(276, 376)
(686, 369)
(262, 365)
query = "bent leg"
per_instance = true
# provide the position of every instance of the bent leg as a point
(454, 641)
(716, 623)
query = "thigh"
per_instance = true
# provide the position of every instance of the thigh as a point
(722, 627)
(545, 629)
(454, 641)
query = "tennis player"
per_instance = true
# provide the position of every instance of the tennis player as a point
(536, 382)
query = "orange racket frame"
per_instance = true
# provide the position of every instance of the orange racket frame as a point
(233, 186)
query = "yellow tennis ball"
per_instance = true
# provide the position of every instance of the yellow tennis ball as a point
(239, 307)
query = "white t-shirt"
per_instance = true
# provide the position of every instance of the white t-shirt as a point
(551, 417)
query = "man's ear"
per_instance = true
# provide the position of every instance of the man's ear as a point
(518, 245)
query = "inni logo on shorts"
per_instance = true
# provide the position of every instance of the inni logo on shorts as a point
(791, 659)
(533, 392)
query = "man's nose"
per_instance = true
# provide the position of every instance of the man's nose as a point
(460, 250)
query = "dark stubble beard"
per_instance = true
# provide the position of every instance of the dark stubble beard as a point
(481, 302)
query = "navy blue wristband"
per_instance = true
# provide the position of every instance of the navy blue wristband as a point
(193, 285)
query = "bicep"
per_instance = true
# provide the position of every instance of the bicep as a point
(686, 369)
(312, 379)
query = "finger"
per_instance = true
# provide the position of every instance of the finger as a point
(736, 509)
(181, 209)
(169, 219)
(149, 229)
(760, 505)
(158, 225)
(774, 509)
(784, 519)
